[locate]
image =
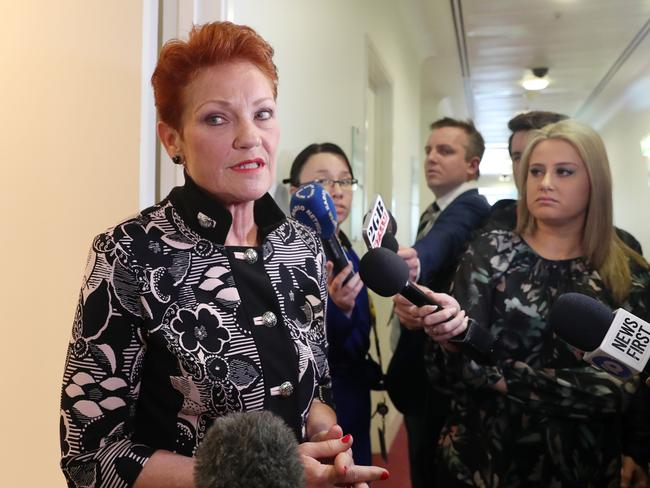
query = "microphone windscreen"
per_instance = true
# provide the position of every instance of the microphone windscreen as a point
(383, 271)
(245, 449)
(312, 206)
(580, 320)
(389, 242)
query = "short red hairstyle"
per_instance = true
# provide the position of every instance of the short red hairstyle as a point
(208, 45)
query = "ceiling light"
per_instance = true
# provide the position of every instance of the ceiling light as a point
(536, 79)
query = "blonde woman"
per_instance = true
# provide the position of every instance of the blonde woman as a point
(541, 416)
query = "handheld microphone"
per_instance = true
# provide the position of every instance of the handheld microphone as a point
(377, 224)
(617, 342)
(389, 242)
(245, 449)
(385, 273)
(312, 206)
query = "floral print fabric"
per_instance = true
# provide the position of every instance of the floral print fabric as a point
(560, 423)
(163, 341)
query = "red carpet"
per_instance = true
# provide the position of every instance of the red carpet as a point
(397, 465)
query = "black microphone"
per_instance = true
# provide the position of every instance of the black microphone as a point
(245, 449)
(385, 273)
(389, 242)
(312, 206)
(615, 341)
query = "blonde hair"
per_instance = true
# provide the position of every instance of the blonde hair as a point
(600, 243)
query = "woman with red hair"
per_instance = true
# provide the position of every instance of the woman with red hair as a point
(209, 302)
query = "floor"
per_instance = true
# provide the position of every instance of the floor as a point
(397, 465)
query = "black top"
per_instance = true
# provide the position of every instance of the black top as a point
(503, 216)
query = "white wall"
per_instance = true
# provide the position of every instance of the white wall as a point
(321, 57)
(621, 114)
(622, 135)
(69, 134)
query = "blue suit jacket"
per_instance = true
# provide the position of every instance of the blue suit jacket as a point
(439, 252)
(440, 249)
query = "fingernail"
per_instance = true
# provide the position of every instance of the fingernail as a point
(385, 475)
(346, 438)
(345, 470)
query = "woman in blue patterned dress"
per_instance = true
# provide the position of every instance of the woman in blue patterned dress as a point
(541, 416)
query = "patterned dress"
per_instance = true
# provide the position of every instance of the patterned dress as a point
(174, 329)
(560, 424)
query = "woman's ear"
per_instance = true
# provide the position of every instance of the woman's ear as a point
(170, 138)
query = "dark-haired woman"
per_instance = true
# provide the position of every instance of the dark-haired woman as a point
(349, 311)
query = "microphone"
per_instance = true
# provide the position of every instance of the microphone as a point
(378, 223)
(245, 449)
(389, 242)
(616, 342)
(385, 273)
(312, 206)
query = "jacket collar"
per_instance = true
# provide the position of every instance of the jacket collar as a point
(211, 220)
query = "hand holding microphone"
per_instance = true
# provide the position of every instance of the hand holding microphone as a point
(312, 206)
(441, 323)
(343, 287)
(387, 274)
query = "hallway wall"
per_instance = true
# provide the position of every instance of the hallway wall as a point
(622, 133)
(70, 103)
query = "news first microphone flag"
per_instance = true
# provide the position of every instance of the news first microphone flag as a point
(625, 349)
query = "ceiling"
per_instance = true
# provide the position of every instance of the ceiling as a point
(586, 44)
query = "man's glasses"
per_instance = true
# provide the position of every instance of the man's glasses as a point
(344, 183)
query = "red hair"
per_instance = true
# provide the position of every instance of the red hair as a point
(208, 45)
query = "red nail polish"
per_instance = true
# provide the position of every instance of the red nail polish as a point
(346, 438)
(385, 475)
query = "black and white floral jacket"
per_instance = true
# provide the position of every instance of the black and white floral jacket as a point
(174, 329)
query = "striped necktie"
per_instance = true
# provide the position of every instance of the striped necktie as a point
(427, 220)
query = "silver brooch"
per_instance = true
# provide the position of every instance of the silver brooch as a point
(205, 221)
(250, 255)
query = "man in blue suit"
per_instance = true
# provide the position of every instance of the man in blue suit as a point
(453, 153)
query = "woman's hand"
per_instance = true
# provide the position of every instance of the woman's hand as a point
(632, 475)
(343, 295)
(441, 322)
(328, 463)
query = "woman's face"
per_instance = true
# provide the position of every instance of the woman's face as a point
(329, 166)
(557, 185)
(230, 132)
